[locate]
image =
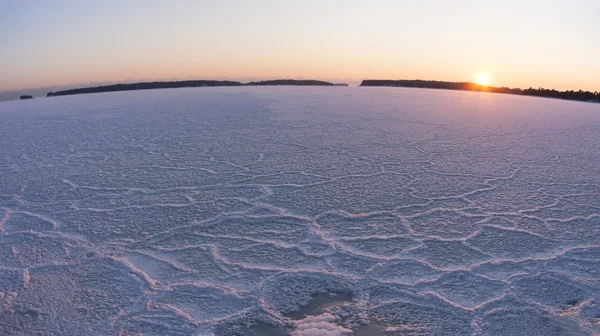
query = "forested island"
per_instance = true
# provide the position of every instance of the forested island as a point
(182, 84)
(143, 86)
(301, 82)
(580, 95)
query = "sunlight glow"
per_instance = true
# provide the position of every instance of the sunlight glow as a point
(483, 79)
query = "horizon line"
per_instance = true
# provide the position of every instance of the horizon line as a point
(579, 95)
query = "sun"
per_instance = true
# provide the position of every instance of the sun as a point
(483, 79)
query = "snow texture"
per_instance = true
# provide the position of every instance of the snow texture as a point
(208, 211)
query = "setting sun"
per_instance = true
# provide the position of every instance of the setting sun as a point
(483, 79)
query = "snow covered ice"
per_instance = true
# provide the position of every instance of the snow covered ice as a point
(211, 211)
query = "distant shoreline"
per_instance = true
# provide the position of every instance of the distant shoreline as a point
(584, 96)
(182, 84)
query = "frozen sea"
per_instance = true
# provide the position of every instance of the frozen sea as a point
(223, 211)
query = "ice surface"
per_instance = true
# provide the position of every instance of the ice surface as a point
(299, 211)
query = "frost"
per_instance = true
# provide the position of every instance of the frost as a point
(321, 325)
(234, 211)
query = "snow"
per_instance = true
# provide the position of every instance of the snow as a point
(208, 211)
(320, 325)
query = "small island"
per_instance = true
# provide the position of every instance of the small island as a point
(580, 95)
(25, 97)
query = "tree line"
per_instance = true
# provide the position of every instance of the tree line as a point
(181, 84)
(143, 86)
(570, 95)
(466, 86)
(301, 82)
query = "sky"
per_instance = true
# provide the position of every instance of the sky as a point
(526, 43)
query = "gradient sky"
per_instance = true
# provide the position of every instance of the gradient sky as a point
(554, 44)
